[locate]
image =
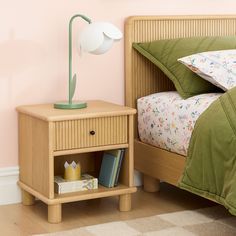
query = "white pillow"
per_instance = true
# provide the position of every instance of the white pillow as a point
(217, 67)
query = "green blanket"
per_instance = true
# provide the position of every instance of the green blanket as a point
(211, 163)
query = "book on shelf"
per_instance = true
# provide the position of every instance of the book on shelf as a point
(86, 182)
(119, 167)
(110, 167)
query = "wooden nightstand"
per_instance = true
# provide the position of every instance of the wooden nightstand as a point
(48, 137)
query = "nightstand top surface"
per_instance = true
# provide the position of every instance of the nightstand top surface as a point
(94, 108)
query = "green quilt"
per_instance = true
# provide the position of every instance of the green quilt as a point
(211, 164)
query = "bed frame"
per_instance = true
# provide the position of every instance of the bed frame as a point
(143, 78)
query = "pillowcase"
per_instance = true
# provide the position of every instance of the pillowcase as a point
(164, 54)
(217, 67)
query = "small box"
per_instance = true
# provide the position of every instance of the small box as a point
(87, 182)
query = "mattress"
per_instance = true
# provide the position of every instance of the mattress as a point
(165, 120)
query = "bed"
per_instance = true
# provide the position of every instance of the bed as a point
(143, 78)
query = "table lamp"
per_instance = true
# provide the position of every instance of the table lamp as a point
(96, 38)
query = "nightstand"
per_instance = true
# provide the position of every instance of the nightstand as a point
(48, 137)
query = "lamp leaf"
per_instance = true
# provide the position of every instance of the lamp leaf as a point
(72, 87)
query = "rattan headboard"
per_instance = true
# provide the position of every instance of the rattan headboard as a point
(141, 76)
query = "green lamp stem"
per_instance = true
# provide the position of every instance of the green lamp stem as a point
(72, 81)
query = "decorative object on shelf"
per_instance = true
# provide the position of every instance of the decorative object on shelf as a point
(87, 182)
(97, 39)
(72, 171)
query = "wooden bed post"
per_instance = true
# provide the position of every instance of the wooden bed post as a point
(150, 184)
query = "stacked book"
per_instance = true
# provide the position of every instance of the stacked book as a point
(110, 167)
(85, 183)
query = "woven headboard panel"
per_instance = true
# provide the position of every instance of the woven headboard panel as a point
(141, 76)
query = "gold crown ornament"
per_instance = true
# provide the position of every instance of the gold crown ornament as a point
(72, 171)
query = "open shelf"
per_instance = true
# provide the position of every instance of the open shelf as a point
(91, 194)
(90, 163)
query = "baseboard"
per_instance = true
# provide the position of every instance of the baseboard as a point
(9, 190)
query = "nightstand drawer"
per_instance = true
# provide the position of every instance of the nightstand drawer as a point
(91, 132)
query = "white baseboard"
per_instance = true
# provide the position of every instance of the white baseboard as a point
(137, 178)
(9, 190)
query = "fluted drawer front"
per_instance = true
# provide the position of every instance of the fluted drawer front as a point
(91, 132)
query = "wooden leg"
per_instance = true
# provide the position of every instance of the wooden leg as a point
(125, 202)
(151, 184)
(27, 198)
(54, 213)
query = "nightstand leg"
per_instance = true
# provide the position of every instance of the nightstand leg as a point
(27, 198)
(151, 184)
(54, 213)
(125, 202)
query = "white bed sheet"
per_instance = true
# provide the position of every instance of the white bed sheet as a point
(165, 120)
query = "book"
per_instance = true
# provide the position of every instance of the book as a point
(119, 167)
(86, 182)
(117, 153)
(108, 169)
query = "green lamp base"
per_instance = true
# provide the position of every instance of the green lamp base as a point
(73, 105)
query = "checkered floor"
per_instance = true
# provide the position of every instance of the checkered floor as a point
(213, 221)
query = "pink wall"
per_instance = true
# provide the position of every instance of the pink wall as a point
(33, 53)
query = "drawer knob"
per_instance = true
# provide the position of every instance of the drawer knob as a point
(92, 132)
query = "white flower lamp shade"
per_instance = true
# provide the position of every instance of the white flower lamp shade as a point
(97, 38)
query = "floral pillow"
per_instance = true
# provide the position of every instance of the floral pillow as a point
(217, 67)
